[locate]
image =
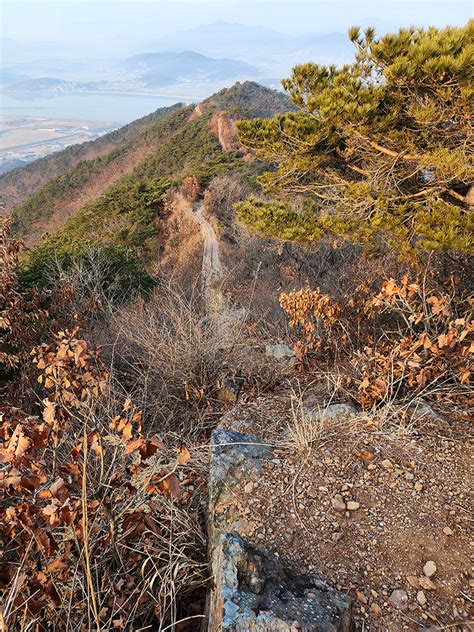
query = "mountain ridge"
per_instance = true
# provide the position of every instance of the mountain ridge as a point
(111, 191)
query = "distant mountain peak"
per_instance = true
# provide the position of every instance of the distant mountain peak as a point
(164, 68)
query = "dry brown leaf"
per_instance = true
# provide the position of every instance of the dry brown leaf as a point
(183, 456)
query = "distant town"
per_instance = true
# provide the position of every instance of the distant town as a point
(24, 139)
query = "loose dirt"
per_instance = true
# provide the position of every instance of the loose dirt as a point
(367, 506)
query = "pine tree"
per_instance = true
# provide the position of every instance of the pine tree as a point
(381, 149)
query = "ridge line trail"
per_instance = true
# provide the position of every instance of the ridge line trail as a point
(212, 269)
(212, 272)
(211, 263)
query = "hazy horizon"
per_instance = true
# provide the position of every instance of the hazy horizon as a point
(111, 27)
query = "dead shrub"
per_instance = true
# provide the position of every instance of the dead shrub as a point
(407, 338)
(181, 351)
(223, 193)
(97, 519)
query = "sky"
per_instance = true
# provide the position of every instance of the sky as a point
(115, 26)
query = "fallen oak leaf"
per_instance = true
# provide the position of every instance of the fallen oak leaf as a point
(127, 432)
(58, 489)
(170, 487)
(49, 412)
(183, 456)
(133, 445)
(365, 455)
(19, 444)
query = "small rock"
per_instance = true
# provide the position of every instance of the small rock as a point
(421, 598)
(279, 351)
(448, 531)
(413, 581)
(426, 583)
(429, 569)
(418, 487)
(422, 410)
(248, 488)
(352, 505)
(361, 597)
(338, 503)
(376, 610)
(334, 411)
(399, 599)
(387, 464)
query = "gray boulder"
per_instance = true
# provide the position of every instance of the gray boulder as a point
(252, 591)
(315, 412)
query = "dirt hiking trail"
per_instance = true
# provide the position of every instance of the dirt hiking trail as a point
(211, 264)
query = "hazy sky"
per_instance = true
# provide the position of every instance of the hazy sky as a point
(122, 25)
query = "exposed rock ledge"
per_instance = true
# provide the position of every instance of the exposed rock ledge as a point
(252, 591)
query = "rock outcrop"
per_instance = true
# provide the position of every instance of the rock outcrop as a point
(252, 591)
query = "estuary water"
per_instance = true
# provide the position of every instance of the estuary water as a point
(120, 108)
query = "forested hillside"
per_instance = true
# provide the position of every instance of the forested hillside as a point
(20, 183)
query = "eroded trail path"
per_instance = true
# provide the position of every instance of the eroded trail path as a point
(212, 269)
(211, 264)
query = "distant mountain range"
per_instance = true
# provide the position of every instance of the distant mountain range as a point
(245, 42)
(147, 70)
(221, 50)
(159, 69)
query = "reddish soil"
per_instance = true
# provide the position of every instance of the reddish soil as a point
(413, 495)
(226, 131)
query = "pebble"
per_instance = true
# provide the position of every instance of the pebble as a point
(426, 583)
(448, 531)
(352, 505)
(376, 609)
(387, 464)
(338, 503)
(248, 488)
(399, 599)
(418, 487)
(429, 569)
(421, 598)
(413, 581)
